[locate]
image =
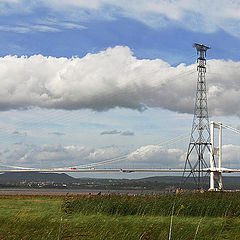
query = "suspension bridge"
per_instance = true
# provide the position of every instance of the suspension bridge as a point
(204, 153)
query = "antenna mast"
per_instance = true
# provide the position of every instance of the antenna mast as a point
(200, 140)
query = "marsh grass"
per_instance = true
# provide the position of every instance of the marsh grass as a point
(197, 204)
(45, 218)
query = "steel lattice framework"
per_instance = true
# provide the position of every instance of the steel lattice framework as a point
(200, 140)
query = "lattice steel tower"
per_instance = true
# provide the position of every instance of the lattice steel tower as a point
(200, 143)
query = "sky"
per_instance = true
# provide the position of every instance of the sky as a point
(82, 82)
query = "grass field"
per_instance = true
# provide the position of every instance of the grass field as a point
(41, 217)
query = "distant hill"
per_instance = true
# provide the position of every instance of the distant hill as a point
(226, 179)
(60, 179)
(163, 179)
(16, 177)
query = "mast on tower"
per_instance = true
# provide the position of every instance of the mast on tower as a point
(200, 140)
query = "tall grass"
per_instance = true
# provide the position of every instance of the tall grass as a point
(194, 204)
(42, 218)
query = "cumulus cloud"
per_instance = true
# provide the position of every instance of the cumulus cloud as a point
(149, 156)
(198, 16)
(157, 156)
(114, 78)
(53, 156)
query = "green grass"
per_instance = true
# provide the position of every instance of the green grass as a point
(43, 218)
(194, 204)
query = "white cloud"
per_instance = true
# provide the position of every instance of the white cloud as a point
(69, 25)
(149, 156)
(57, 27)
(44, 28)
(231, 156)
(54, 156)
(199, 16)
(114, 78)
(17, 29)
(10, 1)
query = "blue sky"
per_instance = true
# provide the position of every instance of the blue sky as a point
(123, 68)
(37, 28)
(97, 35)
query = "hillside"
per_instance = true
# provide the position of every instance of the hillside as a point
(24, 179)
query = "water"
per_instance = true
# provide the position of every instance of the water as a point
(32, 191)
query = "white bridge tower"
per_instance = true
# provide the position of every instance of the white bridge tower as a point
(216, 154)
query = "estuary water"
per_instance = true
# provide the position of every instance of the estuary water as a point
(60, 192)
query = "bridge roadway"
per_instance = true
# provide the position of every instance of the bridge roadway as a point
(95, 170)
(72, 170)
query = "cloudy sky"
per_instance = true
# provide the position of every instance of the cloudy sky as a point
(83, 82)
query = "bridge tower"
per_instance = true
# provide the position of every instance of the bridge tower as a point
(200, 139)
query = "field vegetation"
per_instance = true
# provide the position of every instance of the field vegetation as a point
(183, 216)
(209, 204)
